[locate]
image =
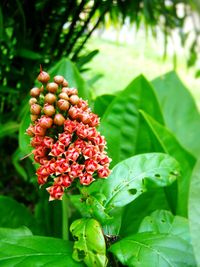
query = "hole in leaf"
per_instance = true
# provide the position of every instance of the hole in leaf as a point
(94, 251)
(81, 254)
(175, 173)
(163, 221)
(157, 175)
(75, 238)
(132, 191)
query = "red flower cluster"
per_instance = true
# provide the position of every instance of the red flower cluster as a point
(66, 143)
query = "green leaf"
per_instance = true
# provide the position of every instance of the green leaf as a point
(8, 128)
(194, 211)
(18, 249)
(181, 117)
(163, 222)
(163, 240)
(24, 139)
(101, 103)
(16, 158)
(89, 245)
(141, 207)
(14, 214)
(135, 175)
(122, 119)
(171, 146)
(29, 54)
(9, 234)
(66, 68)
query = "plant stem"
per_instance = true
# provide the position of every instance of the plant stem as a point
(65, 217)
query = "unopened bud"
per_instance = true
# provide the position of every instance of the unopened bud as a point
(58, 79)
(74, 99)
(50, 98)
(32, 101)
(52, 87)
(65, 83)
(43, 77)
(59, 119)
(35, 109)
(64, 96)
(63, 104)
(34, 117)
(35, 92)
(49, 110)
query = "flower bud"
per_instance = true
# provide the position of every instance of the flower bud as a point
(64, 96)
(63, 104)
(65, 83)
(59, 119)
(65, 89)
(43, 77)
(35, 109)
(58, 79)
(32, 101)
(52, 87)
(74, 99)
(30, 131)
(34, 117)
(49, 110)
(46, 122)
(72, 91)
(50, 98)
(35, 92)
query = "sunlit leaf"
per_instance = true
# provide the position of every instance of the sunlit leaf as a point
(89, 245)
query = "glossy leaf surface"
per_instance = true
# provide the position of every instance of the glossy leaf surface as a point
(89, 245)
(163, 240)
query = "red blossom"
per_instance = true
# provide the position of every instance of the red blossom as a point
(66, 141)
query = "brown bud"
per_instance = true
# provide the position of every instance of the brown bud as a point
(50, 98)
(43, 77)
(34, 117)
(58, 79)
(52, 87)
(74, 99)
(35, 92)
(63, 104)
(49, 110)
(59, 119)
(32, 101)
(35, 109)
(65, 89)
(46, 122)
(65, 83)
(30, 131)
(64, 96)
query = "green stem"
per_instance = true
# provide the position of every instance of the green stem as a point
(65, 217)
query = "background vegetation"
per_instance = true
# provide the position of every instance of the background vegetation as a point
(62, 37)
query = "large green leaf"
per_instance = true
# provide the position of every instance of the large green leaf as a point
(20, 248)
(163, 240)
(141, 207)
(179, 110)
(89, 245)
(171, 146)
(24, 139)
(101, 104)
(121, 121)
(194, 211)
(133, 176)
(14, 214)
(8, 128)
(66, 68)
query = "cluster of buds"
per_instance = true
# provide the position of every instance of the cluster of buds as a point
(63, 133)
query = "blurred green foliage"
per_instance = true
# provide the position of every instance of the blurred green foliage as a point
(48, 32)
